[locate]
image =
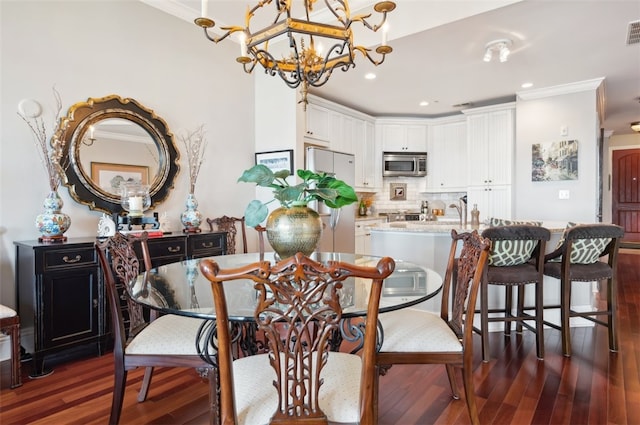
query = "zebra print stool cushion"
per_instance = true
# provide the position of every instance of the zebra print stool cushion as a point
(511, 252)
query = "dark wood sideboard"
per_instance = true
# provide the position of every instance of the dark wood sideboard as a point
(61, 293)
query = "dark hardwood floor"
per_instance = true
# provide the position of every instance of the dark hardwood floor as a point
(594, 386)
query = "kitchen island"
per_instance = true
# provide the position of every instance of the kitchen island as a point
(428, 242)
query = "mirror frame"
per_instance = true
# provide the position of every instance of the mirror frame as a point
(81, 116)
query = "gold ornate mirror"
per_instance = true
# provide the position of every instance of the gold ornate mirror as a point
(111, 141)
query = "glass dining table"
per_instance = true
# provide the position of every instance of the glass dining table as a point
(179, 288)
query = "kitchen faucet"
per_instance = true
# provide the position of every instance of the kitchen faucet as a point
(462, 210)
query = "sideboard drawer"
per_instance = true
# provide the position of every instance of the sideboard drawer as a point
(65, 258)
(166, 250)
(207, 244)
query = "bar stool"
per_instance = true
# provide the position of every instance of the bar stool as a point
(578, 259)
(516, 260)
(10, 325)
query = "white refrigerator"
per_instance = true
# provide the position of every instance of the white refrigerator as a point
(338, 225)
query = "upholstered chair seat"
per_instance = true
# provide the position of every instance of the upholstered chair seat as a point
(339, 393)
(167, 335)
(416, 330)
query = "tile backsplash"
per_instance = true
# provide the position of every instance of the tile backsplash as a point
(382, 202)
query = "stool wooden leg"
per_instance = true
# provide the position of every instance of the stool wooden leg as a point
(539, 311)
(612, 306)
(508, 305)
(565, 306)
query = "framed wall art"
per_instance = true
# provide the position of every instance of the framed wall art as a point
(276, 160)
(554, 161)
(109, 176)
(398, 191)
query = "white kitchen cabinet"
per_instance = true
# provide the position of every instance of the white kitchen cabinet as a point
(363, 235)
(368, 159)
(490, 140)
(317, 123)
(447, 157)
(491, 201)
(404, 137)
(341, 132)
(490, 145)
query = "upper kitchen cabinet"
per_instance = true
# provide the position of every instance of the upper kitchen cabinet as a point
(490, 145)
(490, 140)
(447, 156)
(403, 135)
(341, 132)
(317, 119)
(368, 157)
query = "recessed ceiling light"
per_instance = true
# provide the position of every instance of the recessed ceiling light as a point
(526, 85)
(424, 103)
(370, 76)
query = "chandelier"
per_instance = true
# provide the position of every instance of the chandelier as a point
(315, 49)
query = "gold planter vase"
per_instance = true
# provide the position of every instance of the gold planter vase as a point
(295, 229)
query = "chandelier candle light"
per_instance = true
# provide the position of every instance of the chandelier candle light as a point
(304, 64)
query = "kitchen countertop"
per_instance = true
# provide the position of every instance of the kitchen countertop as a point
(445, 227)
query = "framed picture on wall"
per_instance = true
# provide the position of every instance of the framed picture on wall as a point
(554, 161)
(276, 160)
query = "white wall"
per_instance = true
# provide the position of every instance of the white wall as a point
(539, 120)
(96, 48)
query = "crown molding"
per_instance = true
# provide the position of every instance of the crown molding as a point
(576, 87)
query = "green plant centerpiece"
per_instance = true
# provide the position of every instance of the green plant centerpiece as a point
(294, 227)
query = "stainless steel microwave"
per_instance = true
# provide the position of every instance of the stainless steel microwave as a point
(404, 164)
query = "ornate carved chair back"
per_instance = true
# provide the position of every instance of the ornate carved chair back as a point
(299, 310)
(120, 266)
(230, 225)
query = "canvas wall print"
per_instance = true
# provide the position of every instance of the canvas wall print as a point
(554, 161)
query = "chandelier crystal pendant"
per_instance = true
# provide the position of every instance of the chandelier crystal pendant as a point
(311, 50)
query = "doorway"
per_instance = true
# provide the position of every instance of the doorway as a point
(625, 192)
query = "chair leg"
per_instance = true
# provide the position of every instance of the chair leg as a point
(146, 383)
(508, 306)
(469, 393)
(565, 306)
(520, 307)
(214, 397)
(539, 319)
(16, 374)
(120, 381)
(452, 381)
(484, 320)
(612, 306)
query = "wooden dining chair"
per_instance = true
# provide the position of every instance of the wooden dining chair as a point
(10, 325)
(231, 225)
(167, 341)
(414, 336)
(299, 380)
(586, 253)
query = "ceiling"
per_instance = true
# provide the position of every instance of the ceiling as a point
(438, 48)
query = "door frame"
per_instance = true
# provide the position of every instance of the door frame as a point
(607, 183)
